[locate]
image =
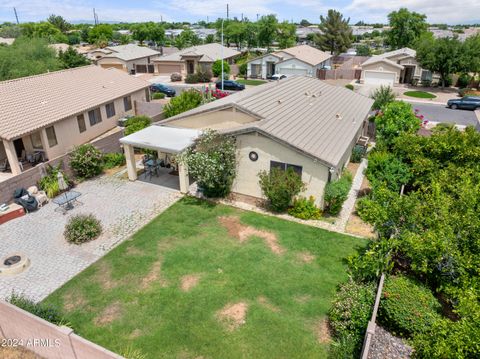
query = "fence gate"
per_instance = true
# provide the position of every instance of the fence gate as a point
(322, 74)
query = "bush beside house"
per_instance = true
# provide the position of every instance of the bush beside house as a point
(86, 161)
(280, 187)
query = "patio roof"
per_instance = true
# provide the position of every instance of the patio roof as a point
(162, 138)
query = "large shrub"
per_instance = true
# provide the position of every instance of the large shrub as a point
(357, 154)
(385, 168)
(407, 307)
(47, 312)
(183, 102)
(212, 162)
(396, 118)
(82, 228)
(158, 95)
(204, 76)
(336, 192)
(349, 315)
(305, 208)
(136, 123)
(280, 187)
(49, 182)
(217, 68)
(86, 161)
(114, 159)
(382, 97)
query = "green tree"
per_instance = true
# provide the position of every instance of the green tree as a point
(267, 30)
(71, 58)
(470, 55)
(210, 39)
(251, 38)
(140, 33)
(100, 33)
(136, 123)
(382, 95)
(305, 23)
(336, 35)
(44, 30)
(406, 28)
(156, 33)
(439, 55)
(59, 22)
(217, 68)
(235, 31)
(363, 50)
(184, 102)
(10, 30)
(186, 39)
(27, 57)
(286, 34)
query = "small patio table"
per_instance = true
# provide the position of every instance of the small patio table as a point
(65, 200)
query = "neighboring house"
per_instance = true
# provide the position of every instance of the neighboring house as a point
(297, 60)
(187, 60)
(303, 34)
(300, 123)
(393, 68)
(49, 114)
(130, 58)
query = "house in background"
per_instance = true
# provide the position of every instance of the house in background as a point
(300, 123)
(45, 116)
(297, 60)
(393, 68)
(187, 60)
(130, 58)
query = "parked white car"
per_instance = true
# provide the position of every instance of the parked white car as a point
(278, 77)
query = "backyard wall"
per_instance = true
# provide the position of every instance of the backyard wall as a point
(106, 143)
(46, 339)
(152, 109)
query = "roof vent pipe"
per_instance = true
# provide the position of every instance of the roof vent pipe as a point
(338, 116)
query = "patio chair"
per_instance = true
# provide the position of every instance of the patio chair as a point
(4, 165)
(40, 196)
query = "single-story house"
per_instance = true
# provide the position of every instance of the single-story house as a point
(47, 115)
(130, 58)
(297, 60)
(187, 60)
(394, 67)
(300, 123)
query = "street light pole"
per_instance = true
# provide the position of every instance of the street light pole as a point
(222, 53)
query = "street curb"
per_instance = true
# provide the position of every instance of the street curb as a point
(477, 114)
(423, 101)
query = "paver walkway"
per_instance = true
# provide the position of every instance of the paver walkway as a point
(122, 207)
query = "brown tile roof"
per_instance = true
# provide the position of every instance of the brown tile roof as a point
(207, 52)
(33, 102)
(318, 119)
(307, 54)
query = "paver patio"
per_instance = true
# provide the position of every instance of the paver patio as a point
(122, 207)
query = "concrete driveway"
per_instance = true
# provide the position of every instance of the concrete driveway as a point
(440, 113)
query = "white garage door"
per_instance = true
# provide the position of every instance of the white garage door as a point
(379, 78)
(290, 71)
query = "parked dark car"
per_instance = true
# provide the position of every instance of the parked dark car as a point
(465, 103)
(163, 89)
(230, 85)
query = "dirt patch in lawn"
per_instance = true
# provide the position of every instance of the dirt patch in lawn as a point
(243, 232)
(154, 275)
(265, 302)
(302, 299)
(189, 281)
(353, 168)
(233, 315)
(73, 301)
(134, 251)
(104, 276)
(306, 257)
(323, 331)
(17, 353)
(109, 314)
(357, 226)
(135, 334)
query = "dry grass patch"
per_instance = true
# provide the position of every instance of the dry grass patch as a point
(135, 334)
(233, 315)
(302, 299)
(357, 226)
(306, 257)
(265, 302)
(17, 353)
(323, 332)
(73, 301)
(189, 281)
(104, 276)
(155, 275)
(243, 232)
(109, 314)
(134, 251)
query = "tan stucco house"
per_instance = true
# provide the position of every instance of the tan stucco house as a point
(187, 60)
(394, 67)
(47, 115)
(300, 122)
(297, 60)
(130, 58)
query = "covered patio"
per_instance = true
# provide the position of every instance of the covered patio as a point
(167, 142)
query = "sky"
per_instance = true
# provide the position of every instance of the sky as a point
(370, 11)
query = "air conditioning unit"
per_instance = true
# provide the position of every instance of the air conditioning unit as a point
(123, 120)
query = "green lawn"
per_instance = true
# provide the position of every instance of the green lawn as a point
(251, 82)
(419, 94)
(133, 297)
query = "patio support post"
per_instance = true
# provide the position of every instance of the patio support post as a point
(130, 157)
(12, 157)
(183, 178)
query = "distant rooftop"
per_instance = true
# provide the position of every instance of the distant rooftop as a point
(130, 52)
(207, 53)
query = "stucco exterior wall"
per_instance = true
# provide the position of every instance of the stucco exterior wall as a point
(314, 174)
(128, 65)
(68, 134)
(262, 61)
(112, 60)
(228, 118)
(294, 64)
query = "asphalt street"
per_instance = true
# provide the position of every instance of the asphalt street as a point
(441, 113)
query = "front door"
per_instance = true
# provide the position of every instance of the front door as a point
(190, 67)
(19, 147)
(270, 69)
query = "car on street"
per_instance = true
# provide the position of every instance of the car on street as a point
(230, 85)
(170, 92)
(465, 103)
(278, 77)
